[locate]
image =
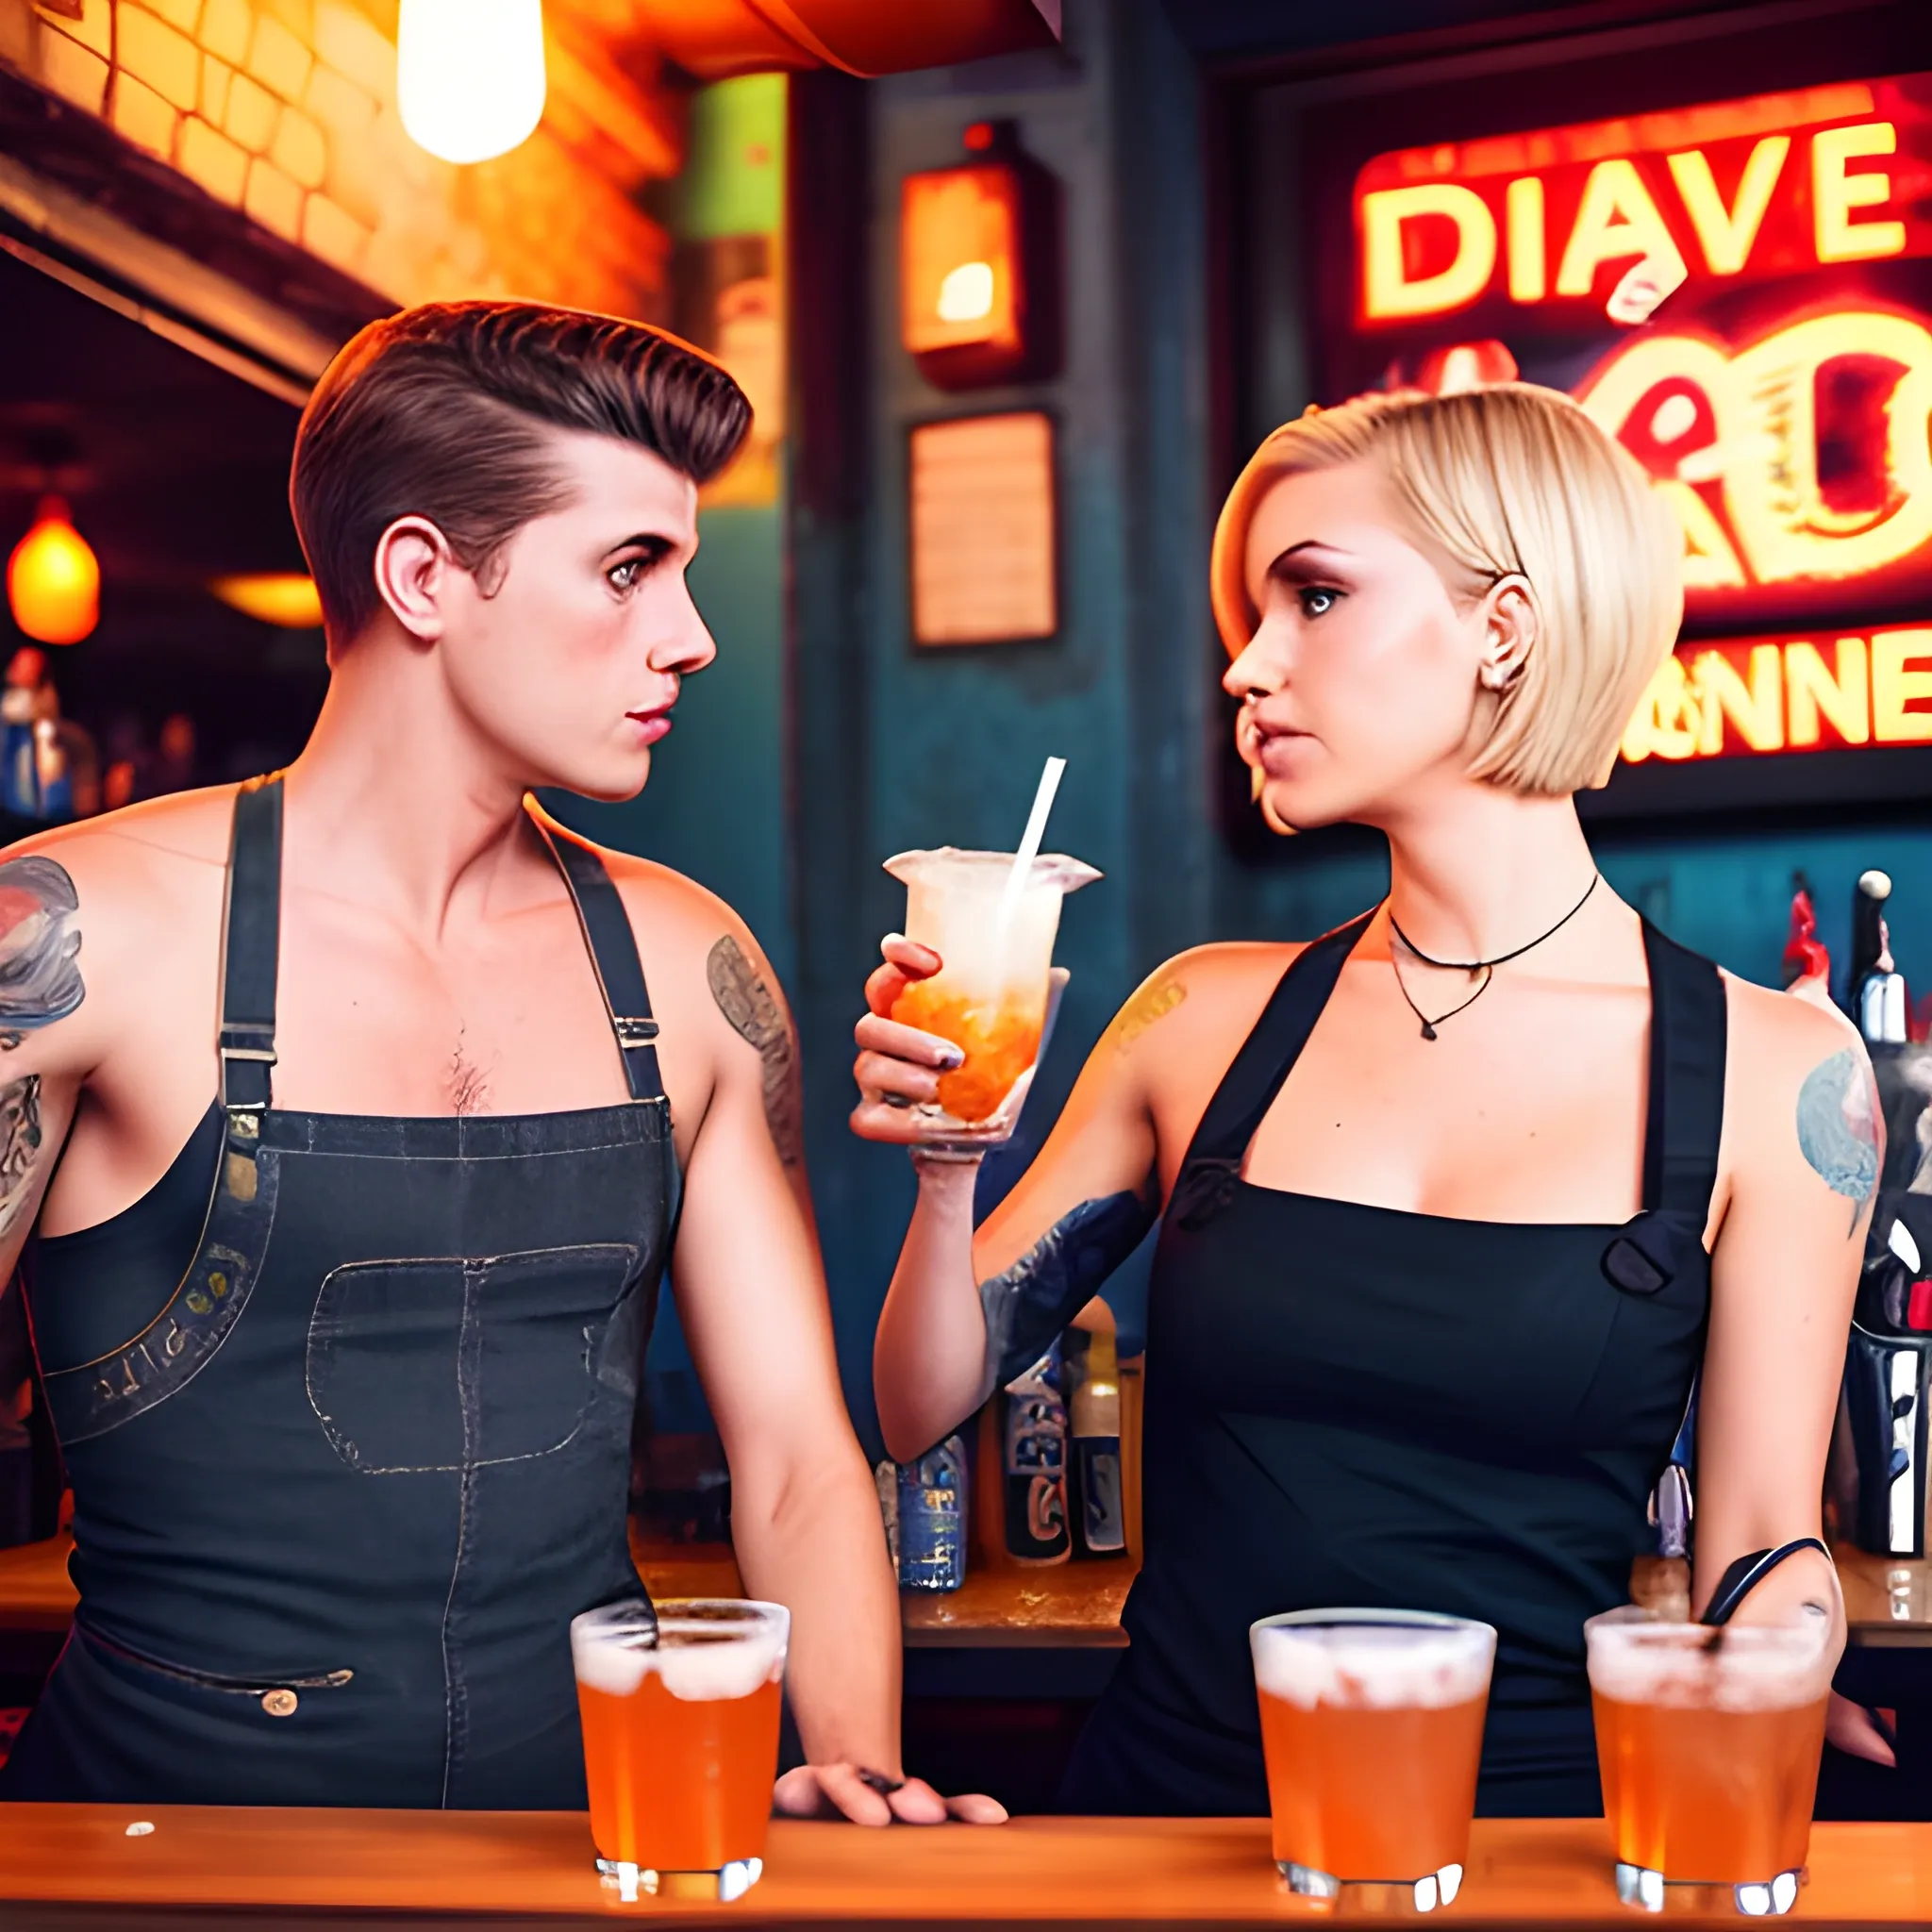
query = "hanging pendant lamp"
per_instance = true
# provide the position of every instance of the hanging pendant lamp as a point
(469, 75)
(54, 579)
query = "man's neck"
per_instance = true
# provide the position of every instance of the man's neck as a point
(396, 801)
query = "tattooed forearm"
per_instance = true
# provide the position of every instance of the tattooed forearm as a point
(19, 1147)
(39, 939)
(746, 1001)
(1838, 1128)
(1029, 1303)
(1152, 1003)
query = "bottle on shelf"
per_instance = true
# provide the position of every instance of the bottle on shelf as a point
(1878, 990)
(1034, 1466)
(1095, 1506)
(930, 1519)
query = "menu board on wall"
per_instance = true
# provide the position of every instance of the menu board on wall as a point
(1741, 290)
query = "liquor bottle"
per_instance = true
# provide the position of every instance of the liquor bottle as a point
(1035, 1464)
(1879, 991)
(932, 1519)
(1868, 919)
(1094, 1502)
(885, 1479)
(20, 785)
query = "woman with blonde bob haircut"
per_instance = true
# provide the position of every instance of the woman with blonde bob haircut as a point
(1455, 1202)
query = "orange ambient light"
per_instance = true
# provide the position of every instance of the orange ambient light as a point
(54, 579)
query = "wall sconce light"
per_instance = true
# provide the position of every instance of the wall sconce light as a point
(54, 579)
(980, 266)
(287, 599)
(469, 75)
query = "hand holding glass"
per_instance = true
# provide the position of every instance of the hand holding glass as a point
(990, 995)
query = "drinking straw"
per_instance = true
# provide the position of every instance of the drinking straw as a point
(1029, 846)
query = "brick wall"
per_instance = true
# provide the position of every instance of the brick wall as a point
(285, 109)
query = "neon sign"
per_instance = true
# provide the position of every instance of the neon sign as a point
(1825, 692)
(1734, 442)
(1617, 214)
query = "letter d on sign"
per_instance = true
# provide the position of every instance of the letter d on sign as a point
(1387, 291)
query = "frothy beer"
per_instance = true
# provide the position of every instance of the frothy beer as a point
(1708, 1743)
(680, 1737)
(1373, 1731)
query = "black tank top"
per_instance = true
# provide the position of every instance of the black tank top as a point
(1355, 1406)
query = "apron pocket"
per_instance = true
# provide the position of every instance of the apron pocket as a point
(276, 1697)
(451, 1364)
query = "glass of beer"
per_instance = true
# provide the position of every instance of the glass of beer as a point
(990, 996)
(1372, 1724)
(1708, 1742)
(681, 1714)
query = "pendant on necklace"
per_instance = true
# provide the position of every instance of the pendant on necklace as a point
(1428, 1031)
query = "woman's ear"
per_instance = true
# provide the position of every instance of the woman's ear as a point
(413, 562)
(1510, 628)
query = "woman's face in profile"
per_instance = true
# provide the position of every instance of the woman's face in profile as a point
(1364, 666)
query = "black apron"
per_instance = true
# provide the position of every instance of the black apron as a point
(1350, 1404)
(336, 1502)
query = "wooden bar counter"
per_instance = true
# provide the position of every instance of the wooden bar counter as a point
(71, 1867)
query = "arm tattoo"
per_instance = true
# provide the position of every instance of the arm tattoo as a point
(39, 939)
(1029, 1303)
(1144, 1008)
(19, 1147)
(1838, 1128)
(746, 1001)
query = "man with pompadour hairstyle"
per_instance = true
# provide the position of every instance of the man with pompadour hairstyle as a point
(353, 1111)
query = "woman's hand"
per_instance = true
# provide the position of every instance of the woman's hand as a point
(841, 1790)
(1859, 1732)
(898, 1067)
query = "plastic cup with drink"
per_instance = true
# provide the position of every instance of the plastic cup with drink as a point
(1708, 1742)
(680, 1717)
(1372, 1725)
(991, 917)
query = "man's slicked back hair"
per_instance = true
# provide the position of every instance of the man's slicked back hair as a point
(442, 413)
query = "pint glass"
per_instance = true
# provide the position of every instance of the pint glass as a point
(1708, 1742)
(990, 997)
(681, 1739)
(1371, 1723)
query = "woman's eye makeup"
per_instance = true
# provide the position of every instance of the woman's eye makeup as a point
(1317, 600)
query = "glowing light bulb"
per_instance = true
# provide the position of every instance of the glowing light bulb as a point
(54, 581)
(285, 598)
(469, 74)
(966, 294)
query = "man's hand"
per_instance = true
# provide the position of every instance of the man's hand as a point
(838, 1790)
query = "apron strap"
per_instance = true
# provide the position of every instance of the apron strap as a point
(613, 950)
(1688, 1022)
(251, 944)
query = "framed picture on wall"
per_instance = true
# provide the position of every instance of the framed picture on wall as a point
(983, 530)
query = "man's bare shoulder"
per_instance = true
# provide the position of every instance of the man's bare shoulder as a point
(96, 917)
(142, 845)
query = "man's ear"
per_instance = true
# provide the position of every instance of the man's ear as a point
(1511, 627)
(413, 565)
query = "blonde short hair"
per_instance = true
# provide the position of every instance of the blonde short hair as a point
(1506, 480)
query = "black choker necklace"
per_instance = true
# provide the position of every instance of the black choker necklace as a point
(1486, 967)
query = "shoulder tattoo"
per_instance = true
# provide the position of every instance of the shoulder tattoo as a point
(1838, 1128)
(1156, 1003)
(746, 1001)
(39, 943)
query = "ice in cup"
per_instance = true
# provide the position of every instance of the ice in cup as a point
(1708, 1743)
(1372, 1725)
(681, 1739)
(990, 997)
